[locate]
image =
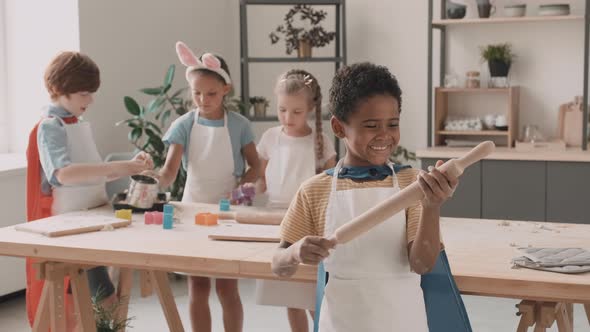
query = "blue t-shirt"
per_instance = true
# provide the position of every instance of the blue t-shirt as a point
(52, 142)
(240, 134)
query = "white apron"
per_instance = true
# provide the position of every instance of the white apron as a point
(210, 164)
(370, 286)
(288, 166)
(81, 149)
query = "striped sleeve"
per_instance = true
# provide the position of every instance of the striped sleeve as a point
(298, 221)
(406, 177)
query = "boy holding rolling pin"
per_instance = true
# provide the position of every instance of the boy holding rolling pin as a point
(374, 279)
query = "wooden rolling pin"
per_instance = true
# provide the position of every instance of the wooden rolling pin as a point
(406, 197)
(253, 217)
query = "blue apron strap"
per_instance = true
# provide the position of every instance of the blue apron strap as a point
(319, 295)
(444, 307)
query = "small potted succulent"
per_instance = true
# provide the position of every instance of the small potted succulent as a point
(260, 105)
(310, 34)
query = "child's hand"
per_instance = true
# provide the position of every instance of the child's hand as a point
(436, 186)
(135, 166)
(146, 158)
(312, 249)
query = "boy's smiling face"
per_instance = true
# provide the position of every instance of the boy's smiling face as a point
(371, 132)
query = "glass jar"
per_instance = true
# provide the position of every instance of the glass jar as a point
(451, 81)
(472, 80)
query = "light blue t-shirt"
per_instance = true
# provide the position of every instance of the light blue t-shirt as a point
(240, 134)
(53, 146)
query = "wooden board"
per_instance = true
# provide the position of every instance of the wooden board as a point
(71, 223)
(242, 232)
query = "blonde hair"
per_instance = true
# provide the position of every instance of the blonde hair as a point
(298, 80)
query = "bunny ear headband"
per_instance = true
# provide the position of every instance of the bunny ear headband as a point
(209, 62)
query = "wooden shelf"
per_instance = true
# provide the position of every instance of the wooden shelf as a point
(292, 2)
(473, 133)
(441, 112)
(474, 90)
(295, 59)
(263, 119)
(524, 19)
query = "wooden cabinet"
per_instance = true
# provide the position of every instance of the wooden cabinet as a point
(442, 112)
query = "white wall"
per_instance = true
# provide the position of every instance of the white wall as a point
(134, 53)
(133, 44)
(548, 67)
(12, 205)
(33, 37)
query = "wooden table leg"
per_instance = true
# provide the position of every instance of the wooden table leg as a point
(55, 279)
(41, 323)
(570, 313)
(563, 318)
(546, 312)
(145, 283)
(82, 299)
(526, 311)
(160, 281)
(587, 308)
(124, 293)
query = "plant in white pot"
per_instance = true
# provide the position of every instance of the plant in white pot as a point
(499, 58)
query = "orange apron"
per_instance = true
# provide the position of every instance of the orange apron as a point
(38, 207)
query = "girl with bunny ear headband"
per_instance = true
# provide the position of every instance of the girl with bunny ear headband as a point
(207, 61)
(213, 146)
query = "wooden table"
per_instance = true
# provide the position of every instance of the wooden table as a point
(479, 252)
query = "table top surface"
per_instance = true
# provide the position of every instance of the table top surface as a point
(479, 251)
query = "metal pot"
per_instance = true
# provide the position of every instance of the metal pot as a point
(143, 191)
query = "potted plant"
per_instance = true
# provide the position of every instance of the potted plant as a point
(106, 316)
(402, 156)
(303, 38)
(260, 104)
(499, 58)
(147, 123)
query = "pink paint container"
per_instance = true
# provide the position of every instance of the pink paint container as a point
(148, 218)
(158, 217)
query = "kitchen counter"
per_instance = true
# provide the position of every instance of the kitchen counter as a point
(503, 153)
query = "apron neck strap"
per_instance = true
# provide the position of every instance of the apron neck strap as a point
(224, 119)
(339, 166)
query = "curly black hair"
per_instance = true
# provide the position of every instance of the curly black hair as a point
(356, 83)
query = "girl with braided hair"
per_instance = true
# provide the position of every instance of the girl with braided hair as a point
(290, 154)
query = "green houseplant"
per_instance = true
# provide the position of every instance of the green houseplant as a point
(402, 156)
(303, 38)
(147, 123)
(106, 316)
(499, 58)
